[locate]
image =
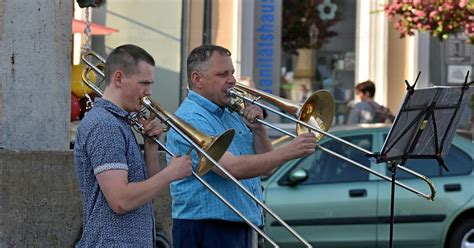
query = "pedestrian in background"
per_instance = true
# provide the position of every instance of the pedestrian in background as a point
(365, 109)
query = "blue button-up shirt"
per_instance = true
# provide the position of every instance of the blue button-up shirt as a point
(105, 141)
(191, 200)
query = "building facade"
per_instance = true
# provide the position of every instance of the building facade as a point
(366, 46)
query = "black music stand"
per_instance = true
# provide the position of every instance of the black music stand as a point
(423, 129)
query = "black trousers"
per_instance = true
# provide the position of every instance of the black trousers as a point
(211, 233)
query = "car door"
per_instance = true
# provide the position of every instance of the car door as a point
(419, 221)
(334, 207)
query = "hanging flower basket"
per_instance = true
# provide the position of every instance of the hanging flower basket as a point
(441, 18)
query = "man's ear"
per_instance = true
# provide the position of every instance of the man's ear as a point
(117, 78)
(196, 80)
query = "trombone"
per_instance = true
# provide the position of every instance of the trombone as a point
(314, 114)
(212, 148)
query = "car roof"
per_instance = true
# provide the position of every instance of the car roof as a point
(339, 130)
(343, 130)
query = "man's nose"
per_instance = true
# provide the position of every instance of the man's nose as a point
(232, 80)
(148, 90)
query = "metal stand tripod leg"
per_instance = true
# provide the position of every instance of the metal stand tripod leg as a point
(393, 169)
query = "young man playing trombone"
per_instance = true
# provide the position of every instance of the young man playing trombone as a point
(200, 219)
(117, 183)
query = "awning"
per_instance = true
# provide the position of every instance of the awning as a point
(96, 29)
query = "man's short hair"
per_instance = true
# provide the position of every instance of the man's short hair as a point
(126, 58)
(199, 56)
(366, 87)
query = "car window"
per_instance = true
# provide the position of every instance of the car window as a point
(323, 167)
(457, 161)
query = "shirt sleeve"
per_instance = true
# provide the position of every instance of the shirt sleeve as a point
(106, 147)
(179, 146)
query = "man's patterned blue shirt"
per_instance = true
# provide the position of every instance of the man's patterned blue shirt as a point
(105, 141)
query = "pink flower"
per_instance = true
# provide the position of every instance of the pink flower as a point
(420, 13)
(398, 24)
(439, 17)
(433, 13)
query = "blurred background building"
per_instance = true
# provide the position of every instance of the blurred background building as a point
(288, 48)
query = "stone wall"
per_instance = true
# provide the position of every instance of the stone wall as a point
(40, 203)
(35, 74)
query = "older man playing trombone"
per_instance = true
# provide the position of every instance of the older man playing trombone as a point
(200, 219)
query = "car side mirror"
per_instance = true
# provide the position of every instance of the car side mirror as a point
(297, 176)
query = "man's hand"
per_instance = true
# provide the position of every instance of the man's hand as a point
(179, 167)
(152, 127)
(250, 115)
(301, 146)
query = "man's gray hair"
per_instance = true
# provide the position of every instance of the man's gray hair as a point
(199, 57)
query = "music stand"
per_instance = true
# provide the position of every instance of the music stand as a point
(423, 129)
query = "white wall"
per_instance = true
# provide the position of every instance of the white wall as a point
(155, 25)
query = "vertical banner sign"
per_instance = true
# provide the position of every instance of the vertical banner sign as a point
(267, 46)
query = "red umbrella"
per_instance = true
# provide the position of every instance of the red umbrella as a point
(96, 29)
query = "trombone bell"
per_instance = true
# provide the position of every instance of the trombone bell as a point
(216, 148)
(318, 111)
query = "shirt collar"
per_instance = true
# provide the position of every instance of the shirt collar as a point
(109, 106)
(205, 103)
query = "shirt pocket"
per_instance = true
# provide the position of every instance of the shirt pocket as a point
(242, 143)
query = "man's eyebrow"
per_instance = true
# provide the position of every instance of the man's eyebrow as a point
(145, 82)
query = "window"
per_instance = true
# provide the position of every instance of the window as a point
(447, 63)
(323, 167)
(330, 64)
(457, 161)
